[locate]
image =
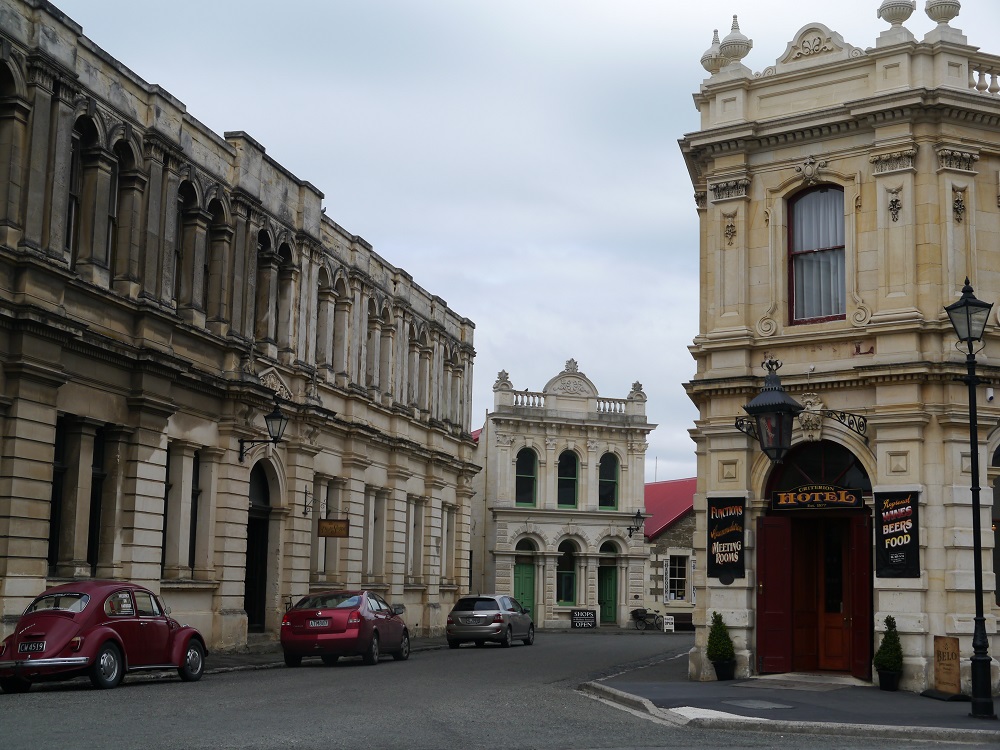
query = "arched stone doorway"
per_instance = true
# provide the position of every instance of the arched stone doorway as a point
(814, 564)
(258, 521)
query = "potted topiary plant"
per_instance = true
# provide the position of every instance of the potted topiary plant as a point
(720, 649)
(889, 657)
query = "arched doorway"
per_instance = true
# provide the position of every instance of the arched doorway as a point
(524, 573)
(258, 520)
(814, 564)
(607, 583)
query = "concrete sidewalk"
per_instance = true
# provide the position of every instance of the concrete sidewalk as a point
(803, 703)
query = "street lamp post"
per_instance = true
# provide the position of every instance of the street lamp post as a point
(276, 423)
(968, 316)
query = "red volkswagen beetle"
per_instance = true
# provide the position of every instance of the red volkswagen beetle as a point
(331, 624)
(100, 629)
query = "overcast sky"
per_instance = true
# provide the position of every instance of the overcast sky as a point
(518, 157)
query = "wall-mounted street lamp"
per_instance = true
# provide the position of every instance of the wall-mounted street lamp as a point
(276, 423)
(773, 413)
(636, 524)
(968, 316)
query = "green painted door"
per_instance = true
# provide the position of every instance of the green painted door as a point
(607, 591)
(524, 585)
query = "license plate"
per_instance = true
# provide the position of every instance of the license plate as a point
(31, 647)
(319, 623)
(472, 620)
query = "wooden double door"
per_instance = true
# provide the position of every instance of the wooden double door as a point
(814, 593)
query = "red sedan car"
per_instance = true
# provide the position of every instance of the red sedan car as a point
(331, 624)
(100, 629)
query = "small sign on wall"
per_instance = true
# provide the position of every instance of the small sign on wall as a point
(334, 527)
(583, 618)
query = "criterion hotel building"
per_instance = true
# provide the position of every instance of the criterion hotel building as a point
(845, 192)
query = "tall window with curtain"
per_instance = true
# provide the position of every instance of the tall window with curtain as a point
(816, 255)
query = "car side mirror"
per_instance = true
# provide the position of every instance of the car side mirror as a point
(398, 609)
(526, 610)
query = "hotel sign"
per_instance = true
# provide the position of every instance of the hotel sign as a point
(817, 497)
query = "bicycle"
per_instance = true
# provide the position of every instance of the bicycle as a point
(644, 618)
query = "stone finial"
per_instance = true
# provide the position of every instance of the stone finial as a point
(896, 11)
(503, 382)
(571, 366)
(712, 60)
(942, 11)
(735, 46)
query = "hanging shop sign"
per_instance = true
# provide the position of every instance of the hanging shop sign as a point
(339, 528)
(725, 538)
(897, 543)
(817, 497)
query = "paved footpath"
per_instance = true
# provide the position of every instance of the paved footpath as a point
(804, 703)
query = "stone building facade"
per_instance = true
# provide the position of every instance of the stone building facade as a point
(844, 195)
(562, 480)
(162, 288)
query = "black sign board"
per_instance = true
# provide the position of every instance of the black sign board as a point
(583, 618)
(725, 538)
(817, 497)
(897, 543)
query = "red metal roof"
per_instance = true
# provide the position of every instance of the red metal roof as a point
(666, 503)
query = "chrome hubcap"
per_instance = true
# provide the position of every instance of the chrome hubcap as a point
(193, 660)
(109, 665)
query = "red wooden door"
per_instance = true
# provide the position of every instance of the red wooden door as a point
(774, 594)
(860, 578)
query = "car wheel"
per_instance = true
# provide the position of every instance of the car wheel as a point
(107, 670)
(531, 636)
(371, 655)
(507, 638)
(454, 644)
(14, 685)
(291, 660)
(404, 649)
(194, 662)
(330, 659)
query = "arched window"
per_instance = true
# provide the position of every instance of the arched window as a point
(525, 477)
(607, 482)
(816, 255)
(569, 469)
(566, 574)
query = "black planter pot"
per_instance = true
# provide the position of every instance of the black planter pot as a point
(725, 670)
(888, 680)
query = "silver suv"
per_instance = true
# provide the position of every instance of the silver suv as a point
(489, 617)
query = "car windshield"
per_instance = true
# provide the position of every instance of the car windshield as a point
(476, 604)
(329, 601)
(64, 602)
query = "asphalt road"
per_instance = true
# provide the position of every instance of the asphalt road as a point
(466, 699)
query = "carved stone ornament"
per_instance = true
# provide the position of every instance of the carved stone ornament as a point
(809, 169)
(571, 387)
(731, 189)
(571, 366)
(730, 230)
(271, 380)
(700, 199)
(811, 418)
(503, 382)
(895, 204)
(958, 205)
(503, 440)
(949, 158)
(893, 161)
(812, 41)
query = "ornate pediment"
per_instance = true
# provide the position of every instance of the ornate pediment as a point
(815, 44)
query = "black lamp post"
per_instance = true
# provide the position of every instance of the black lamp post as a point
(969, 315)
(773, 412)
(276, 423)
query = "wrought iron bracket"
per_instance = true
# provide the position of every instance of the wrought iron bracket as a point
(854, 422)
(746, 426)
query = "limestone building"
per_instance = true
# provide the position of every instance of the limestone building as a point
(162, 288)
(562, 480)
(844, 195)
